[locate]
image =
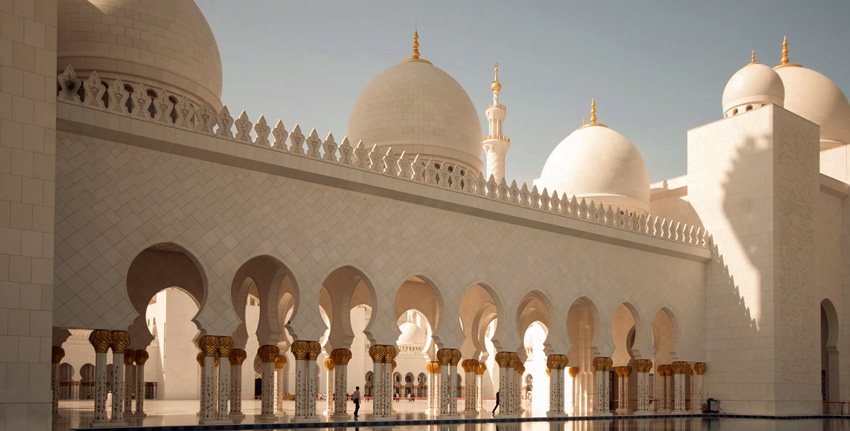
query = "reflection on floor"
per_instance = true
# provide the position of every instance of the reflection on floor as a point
(78, 414)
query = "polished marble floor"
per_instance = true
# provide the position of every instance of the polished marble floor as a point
(174, 415)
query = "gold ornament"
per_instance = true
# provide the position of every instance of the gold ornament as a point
(455, 358)
(200, 358)
(503, 359)
(280, 362)
(268, 353)
(225, 346)
(300, 349)
(209, 345)
(314, 349)
(470, 365)
(784, 62)
(415, 56)
(433, 367)
(482, 368)
(389, 354)
(237, 356)
(215, 361)
(627, 371)
(394, 364)
(599, 363)
(593, 121)
(141, 357)
(377, 352)
(496, 86)
(643, 365)
(548, 372)
(341, 356)
(57, 354)
(329, 363)
(680, 367)
(574, 372)
(129, 356)
(699, 367)
(120, 341)
(444, 356)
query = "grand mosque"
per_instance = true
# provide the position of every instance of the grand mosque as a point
(158, 245)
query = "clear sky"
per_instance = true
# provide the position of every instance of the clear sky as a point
(656, 68)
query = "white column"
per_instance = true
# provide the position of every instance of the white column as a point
(209, 389)
(100, 416)
(141, 358)
(679, 370)
(129, 380)
(601, 404)
(556, 365)
(279, 373)
(433, 368)
(120, 341)
(627, 371)
(237, 357)
(575, 404)
(268, 354)
(329, 385)
(341, 357)
(312, 381)
(378, 388)
(699, 369)
(479, 387)
(57, 354)
(225, 348)
(504, 390)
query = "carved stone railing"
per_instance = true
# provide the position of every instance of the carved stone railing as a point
(157, 106)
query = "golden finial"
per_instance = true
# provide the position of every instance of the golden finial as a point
(753, 57)
(415, 55)
(496, 86)
(784, 62)
(583, 120)
(593, 116)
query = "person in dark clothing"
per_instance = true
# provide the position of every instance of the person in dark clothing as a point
(356, 398)
(497, 403)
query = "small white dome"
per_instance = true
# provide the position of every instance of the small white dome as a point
(816, 98)
(599, 164)
(752, 86)
(418, 108)
(165, 44)
(412, 335)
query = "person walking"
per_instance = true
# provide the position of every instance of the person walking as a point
(497, 403)
(356, 398)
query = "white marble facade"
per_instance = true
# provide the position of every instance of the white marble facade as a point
(265, 242)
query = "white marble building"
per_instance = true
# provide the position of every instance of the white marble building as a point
(138, 215)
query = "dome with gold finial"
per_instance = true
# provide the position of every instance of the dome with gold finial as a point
(496, 85)
(597, 163)
(418, 108)
(816, 98)
(753, 86)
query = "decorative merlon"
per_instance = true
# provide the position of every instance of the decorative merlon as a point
(158, 106)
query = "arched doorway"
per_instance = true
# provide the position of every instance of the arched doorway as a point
(829, 357)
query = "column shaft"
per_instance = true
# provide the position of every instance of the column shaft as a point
(140, 390)
(267, 390)
(117, 387)
(100, 376)
(54, 384)
(223, 388)
(340, 389)
(209, 389)
(235, 390)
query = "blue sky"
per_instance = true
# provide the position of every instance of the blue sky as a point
(656, 68)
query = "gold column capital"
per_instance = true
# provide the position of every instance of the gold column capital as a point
(120, 341)
(643, 365)
(680, 367)
(225, 346)
(503, 359)
(100, 339)
(268, 353)
(470, 365)
(237, 356)
(129, 356)
(377, 353)
(209, 345)
(200, 358)
(600, 363)
(57, 354)
(573, 372)
(300, 349)
(433, 367)
(314, 349)
(444, 356)
(141, 357)
(341, 356)
(481, 369)
(390, 353)
(627, 371)
(699, 367)
(279, 362)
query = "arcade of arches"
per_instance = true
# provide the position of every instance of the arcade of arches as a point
(562, 365)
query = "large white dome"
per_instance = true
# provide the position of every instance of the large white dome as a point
(816, 98)
(754, 85)
(412, 335)
(418, 108)
(599, 164)
(164, 44)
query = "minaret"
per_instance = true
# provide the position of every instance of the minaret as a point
(495, 143)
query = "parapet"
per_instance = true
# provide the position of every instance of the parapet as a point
(159, 106)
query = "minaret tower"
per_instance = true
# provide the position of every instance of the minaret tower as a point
(495, 143)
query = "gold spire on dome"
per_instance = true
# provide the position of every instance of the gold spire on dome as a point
(593, 116)
(753, 57)
(415, 55)
(496, 86)
(583, 120)
(784, 62)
